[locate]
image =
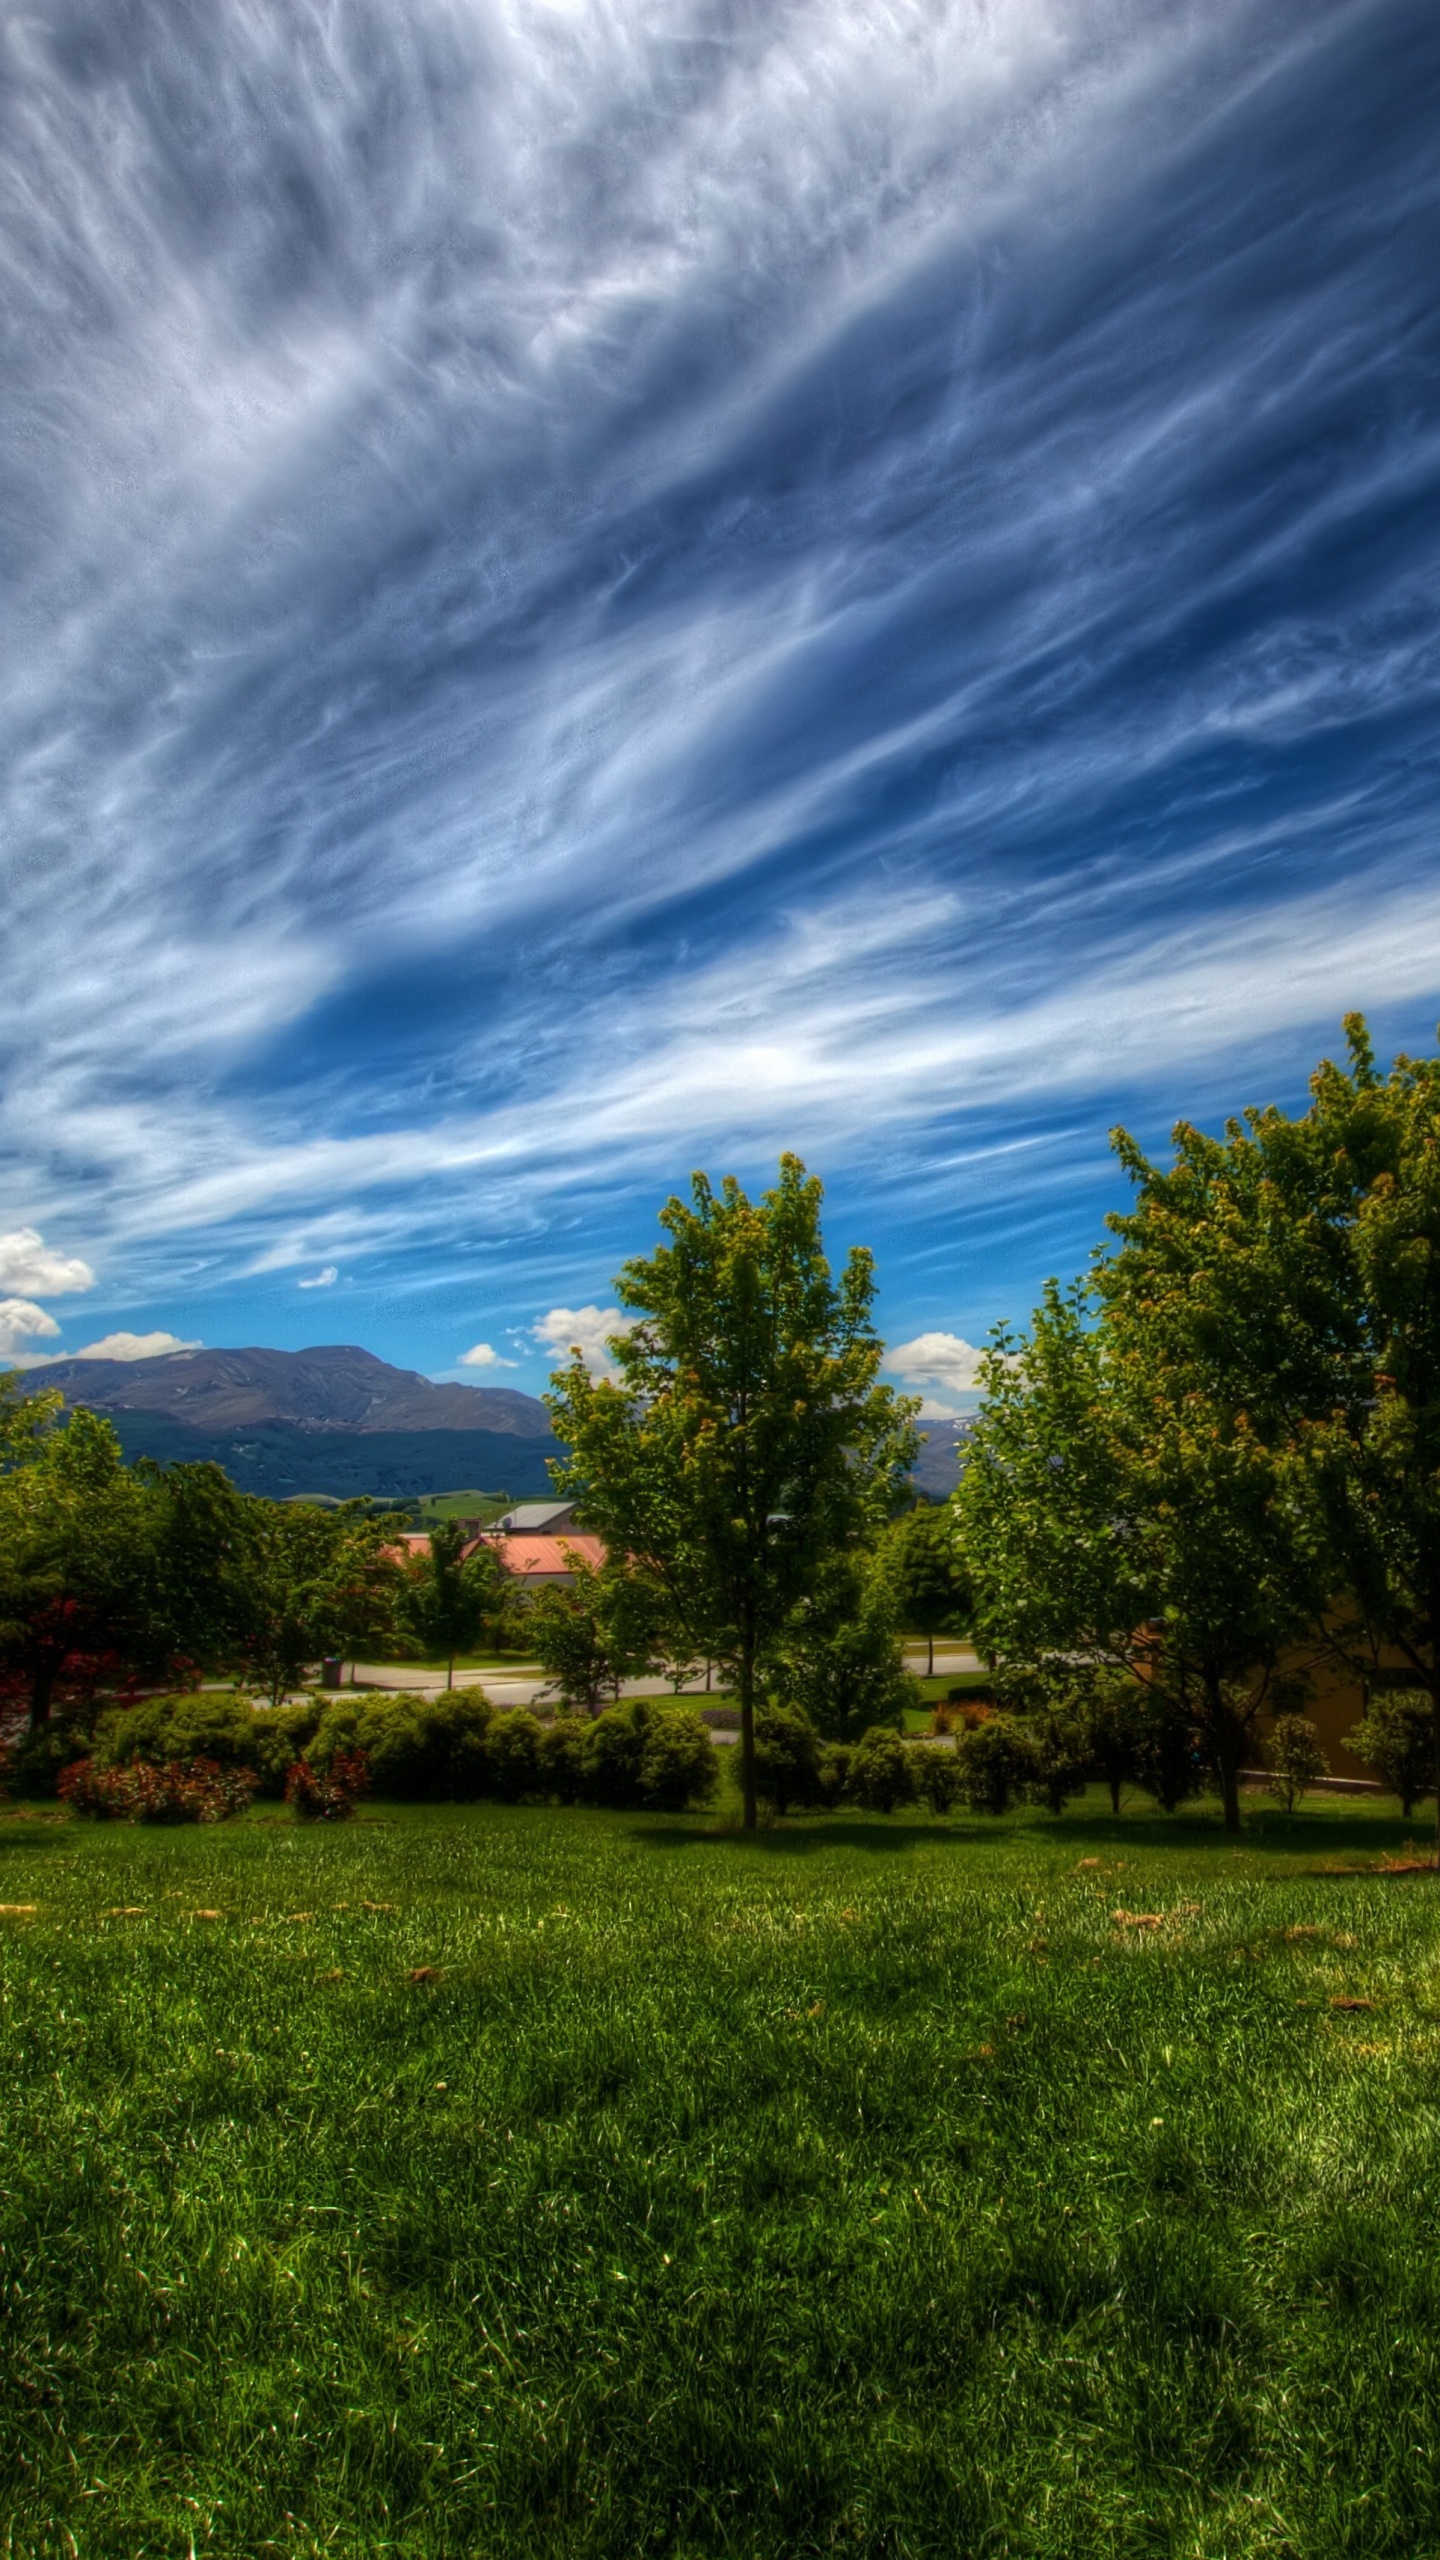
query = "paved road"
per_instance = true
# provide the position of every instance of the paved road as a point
(523, 1684)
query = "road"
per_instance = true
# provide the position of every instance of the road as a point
(524, 1684)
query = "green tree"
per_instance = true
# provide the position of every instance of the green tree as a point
(841, 1659)
(932, 1586)
(311, 1582)
(1396, 1738)
(747, 1439)
(81, 1594)
(606, 1627)
(449, 1597)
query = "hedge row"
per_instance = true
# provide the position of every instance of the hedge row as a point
(454, 1748)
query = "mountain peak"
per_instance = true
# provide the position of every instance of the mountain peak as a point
(333, 1386)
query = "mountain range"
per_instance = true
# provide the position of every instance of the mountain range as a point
(329, 1420)
(337, 1420)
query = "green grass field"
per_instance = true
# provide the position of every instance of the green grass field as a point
(488, 2181)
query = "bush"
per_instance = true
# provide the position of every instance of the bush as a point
(329, 1794)
(512, 1756)
(787, 1759)
(1164, 1754)
(37, 1760)
(216, 1725)
(997, 1764)
(1396, 1738)
(936, 1775)
(143, 1791)
(1063, 1760)
(419, 1750)
(834, 1773)
(640, 1755)
(562, 1759)
(880, 1777)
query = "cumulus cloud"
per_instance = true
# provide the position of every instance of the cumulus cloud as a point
(482, 1355)
(586, 1329)
(133, 1346)
(325, 1279)
(943, 1360)
(21, 1322)
(28, 1263)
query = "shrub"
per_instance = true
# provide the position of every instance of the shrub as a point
(1165, 1755)
(1062, 1760)
(419, 1750)
(997, 1764)
(562, 1759)
(787, 1759)
(38, 1759)
(833, 1776)
(880, 1777)
(145, 1791)
(512, 1756)
(678, 1766)
(641, 1755)
(216, 1725)
(1294, 1759)
(936, 1775)
(329, 1794)
(1396, 1738)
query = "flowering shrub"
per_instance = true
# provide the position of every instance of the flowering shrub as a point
(180, 1791)
(329, 1794)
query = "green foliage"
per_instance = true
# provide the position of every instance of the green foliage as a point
(81, 1587)
(880, 1772)
(141, 1791)
(310, 1582)
(605, 1628)
(787, 1759)
(834, 1773)
(513, 1762)
(747, 1441)
(934, 1595)
(1294, 1758)
(208, 1725)
(840, 1663)
(936, 1776)
(448, 1599)
(997, 1764)
(1063, 1760)
(645, 1754)
(419, 1749)
(562, 1759)
(1396, 1738)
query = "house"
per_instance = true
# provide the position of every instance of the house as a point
(538, 1561)
(538, 1519)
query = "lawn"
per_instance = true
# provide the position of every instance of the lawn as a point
(559, 2183)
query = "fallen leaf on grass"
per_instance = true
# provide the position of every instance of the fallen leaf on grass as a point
(125, 1911)
(377, 1906)
(1138, 1919)
(336, 1976)
(204, 1915)
(1086, 1862)
(1302, 1929)
(18, 1910)
(1352, 2004)
(1406, 1867)
(299, 1915)
(424, 1973)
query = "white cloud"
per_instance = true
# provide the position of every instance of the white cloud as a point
(942, 1360)
(133, 1346)
(325, 1279)
(481, 1355)
(21, 1322)
(587, 1329)
(27, 1262)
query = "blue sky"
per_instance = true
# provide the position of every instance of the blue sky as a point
(597, 588)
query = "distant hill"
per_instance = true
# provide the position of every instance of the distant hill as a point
(937, 1469)
(329, 1420)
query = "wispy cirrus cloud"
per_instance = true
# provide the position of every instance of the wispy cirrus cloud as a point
(615, 585)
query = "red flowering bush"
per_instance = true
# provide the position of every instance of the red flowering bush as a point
(180, 1791)
(329, 1794)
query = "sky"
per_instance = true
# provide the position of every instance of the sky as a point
(595, 587)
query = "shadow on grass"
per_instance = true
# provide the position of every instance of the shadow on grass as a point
(1270, 1832)
(801, 1839)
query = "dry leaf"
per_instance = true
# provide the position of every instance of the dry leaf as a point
(425, 1973)
(1138, 1919)
(1352, 2004)
(18, 1910)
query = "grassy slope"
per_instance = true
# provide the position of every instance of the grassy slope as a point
(866, 2188)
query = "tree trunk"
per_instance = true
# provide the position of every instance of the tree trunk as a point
(930, 1657)
(450, 1673)
(1227, 1755)
(747, 1738)
(1115, 1784)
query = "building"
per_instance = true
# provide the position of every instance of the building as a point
(537, 1519)
(538, 1561)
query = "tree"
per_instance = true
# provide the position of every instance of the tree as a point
(80, 1538)
(932, 1587)
(311, 1582)
(605, 1628)
(1396, 1738)
(841, 1660)
(746, 1440)
(1121, 1513)
(1294, 1758)
(449, 1597)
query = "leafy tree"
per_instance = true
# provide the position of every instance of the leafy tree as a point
(1294, 1758)
(604, 1629)
(997, 1764)
(933, 1591)
(841, 1661)
(80, 1582)
(311, 1582)
(747, 1440)
(880, 1773)
(787, 1758)
(449, 1597)
(1396, 1738)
